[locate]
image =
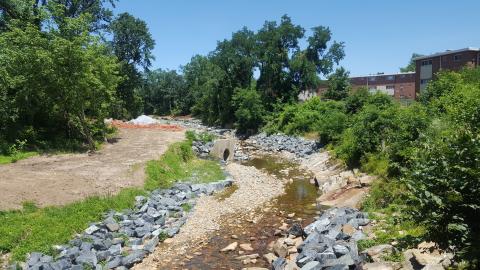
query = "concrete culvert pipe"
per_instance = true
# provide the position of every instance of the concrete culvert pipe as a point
(226, 154)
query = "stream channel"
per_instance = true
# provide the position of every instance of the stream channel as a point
(299, 199)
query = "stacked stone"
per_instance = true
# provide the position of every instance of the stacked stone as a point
(280, 142)
(125, 238)
(330, 242)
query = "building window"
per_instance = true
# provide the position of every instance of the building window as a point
(426, 62)
(372, 79)
(390, 78)
(457, 57)
(424, 81)
(390, 87)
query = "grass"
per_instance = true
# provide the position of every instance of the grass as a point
(6, 159)
(179, 163)
(33, 229)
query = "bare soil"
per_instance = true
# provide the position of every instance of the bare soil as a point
(62, 179)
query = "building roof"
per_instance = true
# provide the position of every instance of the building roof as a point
(381, 74)
(446, 53)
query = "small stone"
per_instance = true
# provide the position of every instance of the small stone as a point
(270, 257)
(348, 229)
(90, 230)
(234, 236)
(113, 227)
(280, 248)
(230, 247)
(246, 247)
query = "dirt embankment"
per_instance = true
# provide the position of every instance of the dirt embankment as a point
(62, 179)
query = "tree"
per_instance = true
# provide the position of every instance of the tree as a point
(320, 54)
(411, 65)
(55, 87)
(274, 44)
(33, 11)
(338, 85)
(204, 78)
(132, 44)
(164, 92)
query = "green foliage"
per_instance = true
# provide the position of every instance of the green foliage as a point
(327, 118)
(25, 231)
(132, 44)
(204, 136)
(355, 101)
(444, 180)
(179, 163)
(367, 132)
(249, 110)
(338, 85)
(165, 92)
(411, 67)
(285, 70)
(56, 85)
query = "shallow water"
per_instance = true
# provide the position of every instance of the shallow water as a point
(299, 198)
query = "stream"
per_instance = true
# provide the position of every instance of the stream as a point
(299, 199)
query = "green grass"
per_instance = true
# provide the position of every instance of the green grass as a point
(33, 229)
(16, 157)
(179, 164)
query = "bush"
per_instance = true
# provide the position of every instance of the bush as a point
(444, 181)
(327, 118)
(249, 110)
(367, 133)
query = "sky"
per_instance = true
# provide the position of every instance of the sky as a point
(380, 36)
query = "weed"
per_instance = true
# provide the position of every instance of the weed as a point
(187, 207)
(178, 163)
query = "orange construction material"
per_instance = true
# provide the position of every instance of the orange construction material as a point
(121, 124)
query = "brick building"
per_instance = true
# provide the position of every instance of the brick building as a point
(400, 85)
(427, 66)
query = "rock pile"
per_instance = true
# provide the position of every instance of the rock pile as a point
(125, 238)
(202, 149)
(279, 142)
(329, 243)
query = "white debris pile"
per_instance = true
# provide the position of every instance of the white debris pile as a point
(143, 120)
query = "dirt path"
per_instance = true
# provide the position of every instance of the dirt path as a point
(61, 179)
(255, 188)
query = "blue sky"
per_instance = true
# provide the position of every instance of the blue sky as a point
(380, 36)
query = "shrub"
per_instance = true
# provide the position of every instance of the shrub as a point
(444, 181)
(367, 133)
(249, 110)
(328, 118)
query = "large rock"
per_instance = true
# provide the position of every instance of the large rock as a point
(133, 258)
(87, 258)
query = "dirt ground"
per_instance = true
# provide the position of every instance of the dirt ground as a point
(62, 179)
